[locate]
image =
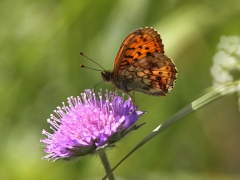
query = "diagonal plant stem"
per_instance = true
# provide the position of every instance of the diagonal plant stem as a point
(189, 109)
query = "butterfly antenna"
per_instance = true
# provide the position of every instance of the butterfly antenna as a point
(82, 66)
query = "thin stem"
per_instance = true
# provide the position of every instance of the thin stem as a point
(105, 162)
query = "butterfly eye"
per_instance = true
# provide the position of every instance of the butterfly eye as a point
(106, 76)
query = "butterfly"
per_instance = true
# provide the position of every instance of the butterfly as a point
(141, 65)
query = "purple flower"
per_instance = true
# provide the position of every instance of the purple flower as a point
(89, 123)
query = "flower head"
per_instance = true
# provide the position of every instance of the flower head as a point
(226, 62)
(89, 123)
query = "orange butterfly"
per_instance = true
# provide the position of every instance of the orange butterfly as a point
(141, 65)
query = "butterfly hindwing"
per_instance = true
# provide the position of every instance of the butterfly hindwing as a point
(154, 74)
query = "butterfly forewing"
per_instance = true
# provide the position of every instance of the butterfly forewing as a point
(136, 46)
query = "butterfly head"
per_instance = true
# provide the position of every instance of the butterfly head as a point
(107, 75)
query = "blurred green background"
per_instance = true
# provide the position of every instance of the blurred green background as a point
(39, 62)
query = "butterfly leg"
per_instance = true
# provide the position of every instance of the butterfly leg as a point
(133, 98)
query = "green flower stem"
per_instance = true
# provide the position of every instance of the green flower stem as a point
(194, 106)
(105, 162)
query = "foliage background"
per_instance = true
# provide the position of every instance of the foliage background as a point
(39, 66)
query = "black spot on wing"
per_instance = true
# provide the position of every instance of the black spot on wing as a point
(128, 56)
(148, 53)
